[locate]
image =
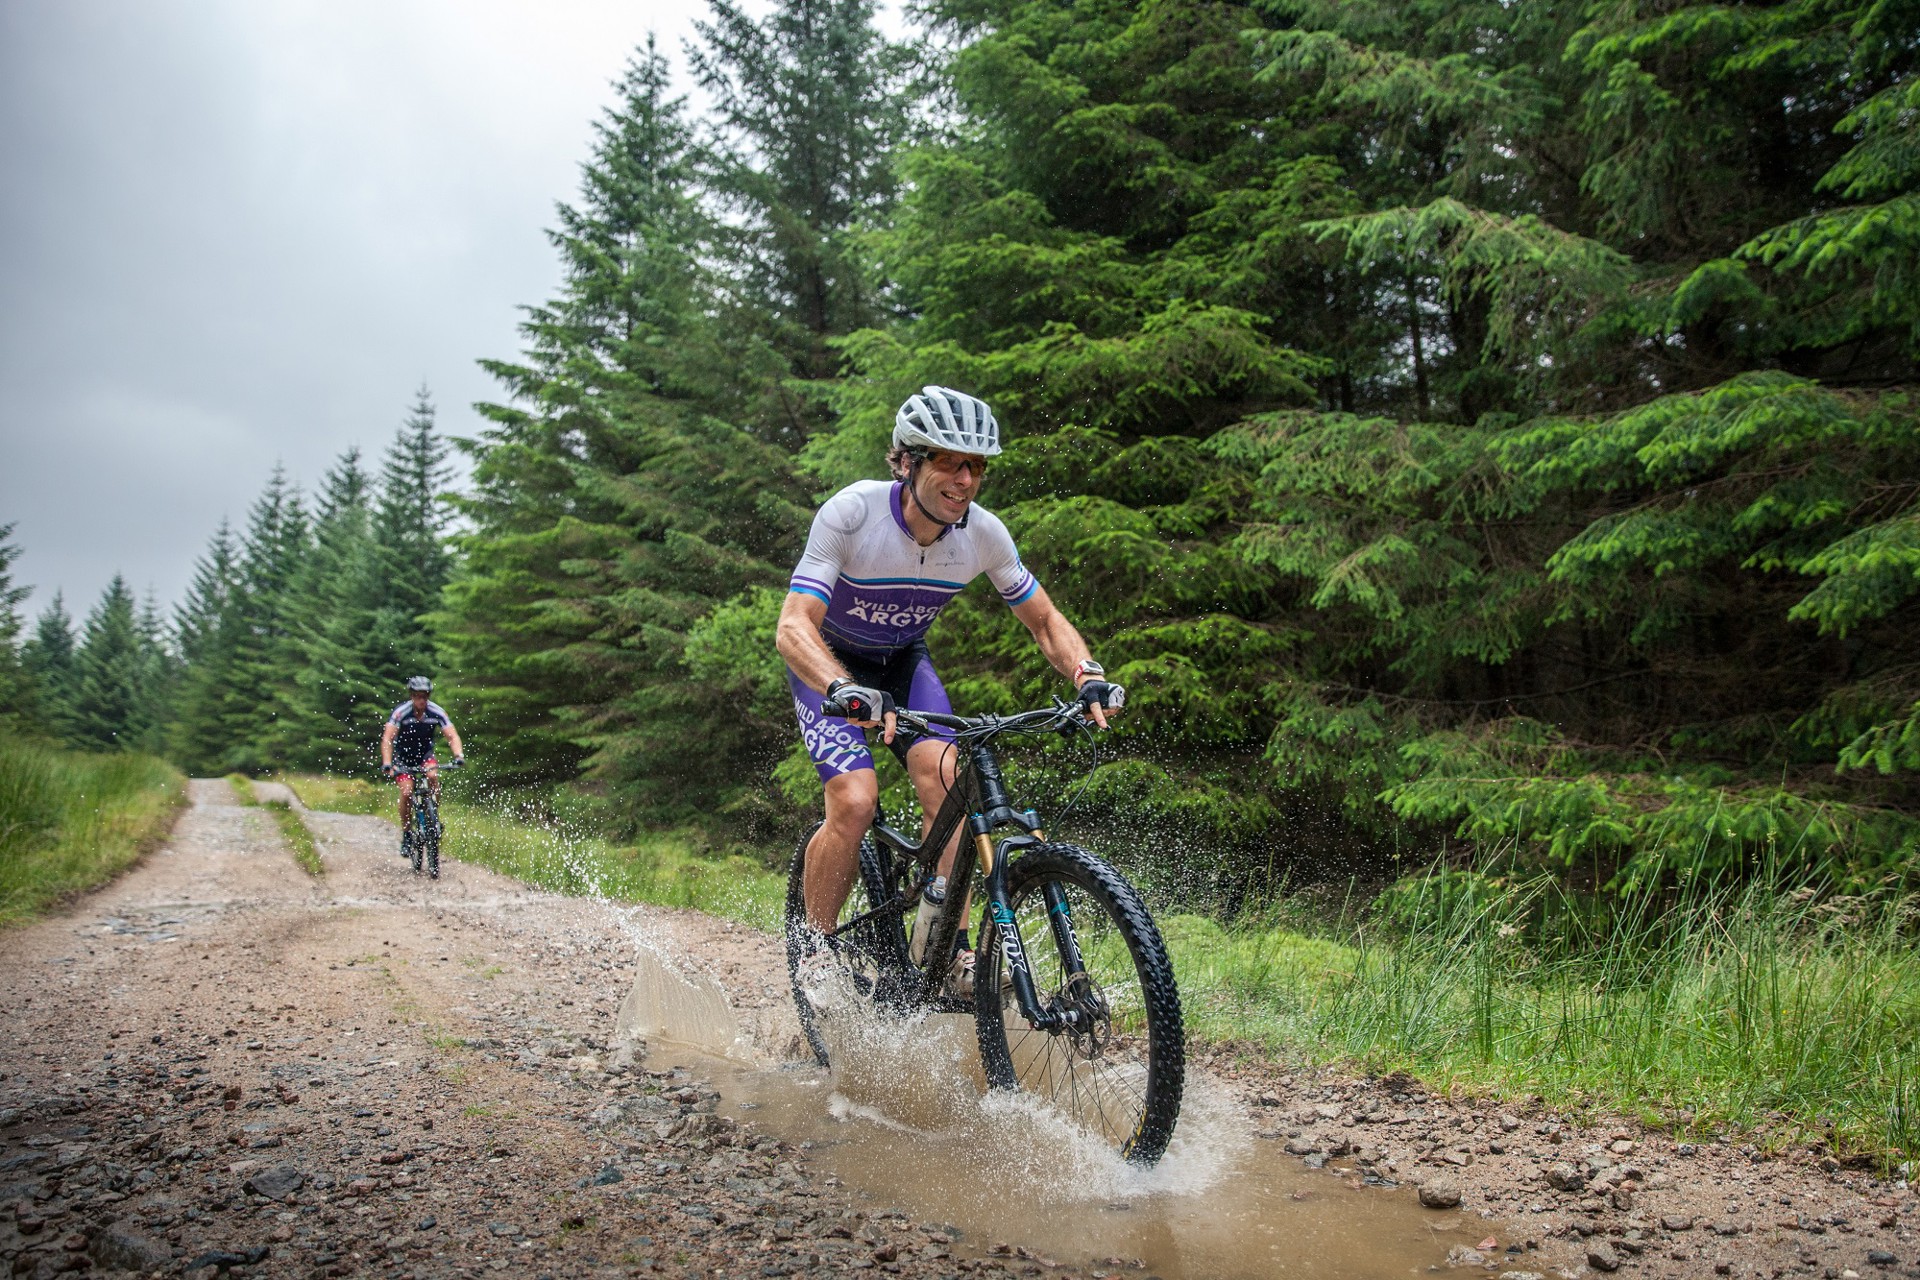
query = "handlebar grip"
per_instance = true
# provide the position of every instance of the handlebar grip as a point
(834, 707)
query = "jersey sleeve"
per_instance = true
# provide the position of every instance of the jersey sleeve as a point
(828, 543)
(446, 721)
(1000, 561)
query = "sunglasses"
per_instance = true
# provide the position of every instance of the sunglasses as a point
(952, 462)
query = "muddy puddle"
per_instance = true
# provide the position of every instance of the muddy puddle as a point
(906, 1123)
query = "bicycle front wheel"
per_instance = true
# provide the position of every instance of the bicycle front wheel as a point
(1118, 1066)
(872, 960)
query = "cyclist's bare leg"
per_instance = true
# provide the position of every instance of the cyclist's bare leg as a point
(833, 855)
(406, 799)
(931, 764)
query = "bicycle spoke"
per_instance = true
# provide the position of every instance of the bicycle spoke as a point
(1113, 1063)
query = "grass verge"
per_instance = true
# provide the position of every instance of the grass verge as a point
(243, 789)
(294, 830)
(71, 821)
(1772, 1012)
(341, 795)
(664, 870)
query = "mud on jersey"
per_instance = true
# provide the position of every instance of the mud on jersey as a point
(883, 589)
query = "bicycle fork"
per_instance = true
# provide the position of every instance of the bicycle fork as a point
(995, 811)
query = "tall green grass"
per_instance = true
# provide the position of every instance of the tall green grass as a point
(1779, 1012)
(665, 870)
(343, 795)
(71, 821)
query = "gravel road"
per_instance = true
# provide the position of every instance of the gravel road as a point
(221, 1065)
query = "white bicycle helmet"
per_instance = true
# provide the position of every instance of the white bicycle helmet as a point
(941, 418)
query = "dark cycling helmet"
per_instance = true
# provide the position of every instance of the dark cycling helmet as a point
(419, 684)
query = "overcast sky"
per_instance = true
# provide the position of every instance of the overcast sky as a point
(241, 232)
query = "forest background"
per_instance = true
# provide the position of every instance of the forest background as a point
(1470, 430)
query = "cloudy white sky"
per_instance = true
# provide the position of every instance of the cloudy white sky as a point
(241, 232)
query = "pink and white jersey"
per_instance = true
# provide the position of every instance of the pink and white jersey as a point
(882, 589)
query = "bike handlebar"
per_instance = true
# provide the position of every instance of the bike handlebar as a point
(1062, 715)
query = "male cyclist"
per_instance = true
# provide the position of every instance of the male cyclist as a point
(406, 748)
(881, 561)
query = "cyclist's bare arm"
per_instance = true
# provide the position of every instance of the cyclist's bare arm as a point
(1057, 638)
(386, 743)
(453, 740)
(799, 640)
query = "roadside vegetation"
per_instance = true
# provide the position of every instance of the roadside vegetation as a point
(71, 821)
(1777, 1013)
(293, 828)
(662, 869)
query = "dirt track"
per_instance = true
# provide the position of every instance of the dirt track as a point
(220, 1061)
(221, 1065)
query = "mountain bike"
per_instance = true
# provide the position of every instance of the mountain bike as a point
(1073, 995)
(422, 837)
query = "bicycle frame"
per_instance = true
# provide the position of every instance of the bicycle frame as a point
(978, 799)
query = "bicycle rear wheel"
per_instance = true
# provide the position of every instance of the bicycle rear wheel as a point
(873, 958)
(1119, 1070)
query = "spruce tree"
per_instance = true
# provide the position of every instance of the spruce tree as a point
(410, 527)
(48, 660)
(811, 102)
(613, 506)
(346, 683)
(207, 626)
(1508, 405)
(18, 702)
(258, 664)
(110, 698)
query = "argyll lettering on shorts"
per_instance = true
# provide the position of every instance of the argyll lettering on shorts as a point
(835, 746)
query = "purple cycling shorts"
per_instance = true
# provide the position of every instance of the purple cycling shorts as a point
(838, 747)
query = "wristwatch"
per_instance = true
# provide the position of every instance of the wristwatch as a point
(1090, 669)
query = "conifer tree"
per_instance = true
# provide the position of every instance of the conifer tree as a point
(111, 705)
(207, 626)
(17, 696)
(811, 102)
(48, 659)
(410, 528)
(160, 671)
(346, 683)
(612, 506)
(253, 684)
(1509, 404)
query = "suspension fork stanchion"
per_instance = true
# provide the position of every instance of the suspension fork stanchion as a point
(996, 810)
(1060, 920)
(1013, 952)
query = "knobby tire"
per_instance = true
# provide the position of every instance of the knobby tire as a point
(1124, 1078)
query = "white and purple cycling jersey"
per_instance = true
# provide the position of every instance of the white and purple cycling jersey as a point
(883, 590)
